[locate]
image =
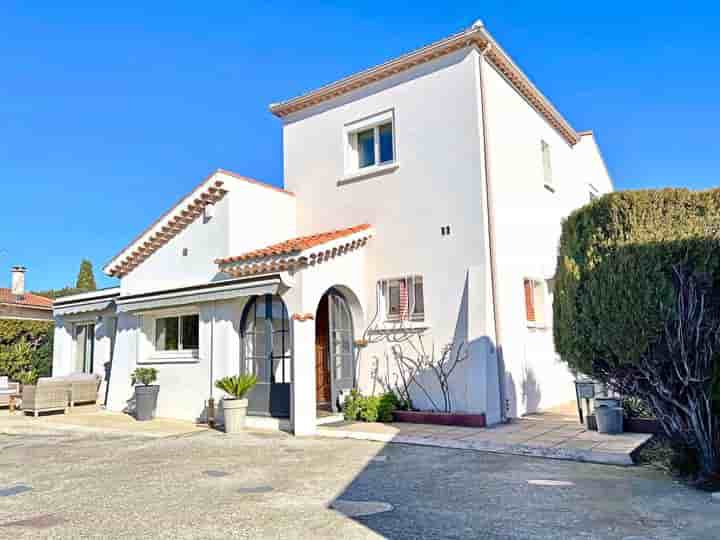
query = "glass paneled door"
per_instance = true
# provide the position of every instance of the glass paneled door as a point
(84, 347)
(342, 347)
(267, 353)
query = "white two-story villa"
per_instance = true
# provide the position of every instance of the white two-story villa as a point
(423, 199)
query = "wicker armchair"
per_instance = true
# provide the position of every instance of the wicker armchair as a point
(7, 389)
(46, 395)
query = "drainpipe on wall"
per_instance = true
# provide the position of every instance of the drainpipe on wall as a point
(211, 400)
(491, 239)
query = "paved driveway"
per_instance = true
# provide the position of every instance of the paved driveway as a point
(65, 484)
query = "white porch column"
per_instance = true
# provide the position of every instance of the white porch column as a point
(303, 406)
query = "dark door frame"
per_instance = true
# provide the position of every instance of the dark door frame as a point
(268, 398)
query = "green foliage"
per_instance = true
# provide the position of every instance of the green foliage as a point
(237, 386)
(86, 277)
(613, 287)
(15, 359)
(28, 378)
(26, 346)
(352, 406)
(369, 408)
(59, 293)
(144, 375)
(34, 332)
(635, 407)
(669, 457)
(387, 404)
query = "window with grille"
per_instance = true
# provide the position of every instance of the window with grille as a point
(403, 298)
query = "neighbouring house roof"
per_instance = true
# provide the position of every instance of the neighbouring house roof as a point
(175, 220)
(25, 300)
(297, 252)
(476, 35)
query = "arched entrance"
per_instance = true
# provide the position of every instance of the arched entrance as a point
(334, 350)
(266, 351)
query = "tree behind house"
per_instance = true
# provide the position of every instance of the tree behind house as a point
(86, 278)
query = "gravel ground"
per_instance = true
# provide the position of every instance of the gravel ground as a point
(269, 485)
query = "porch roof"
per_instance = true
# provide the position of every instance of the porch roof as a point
(297, 252)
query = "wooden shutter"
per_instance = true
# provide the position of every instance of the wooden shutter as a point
(529, 301)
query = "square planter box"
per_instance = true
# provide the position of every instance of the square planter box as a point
(441, 418)
(631, 425)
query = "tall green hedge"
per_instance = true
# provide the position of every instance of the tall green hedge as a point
(26, 346)
(613, 288)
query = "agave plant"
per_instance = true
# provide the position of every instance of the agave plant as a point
(237, 386)
(145, 376)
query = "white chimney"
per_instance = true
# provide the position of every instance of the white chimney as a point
(18, 280)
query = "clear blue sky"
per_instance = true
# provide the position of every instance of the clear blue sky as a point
(109, 114)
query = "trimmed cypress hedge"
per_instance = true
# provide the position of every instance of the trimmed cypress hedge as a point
(637, 305)
(614, 286)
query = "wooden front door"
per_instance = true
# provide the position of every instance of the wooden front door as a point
(322, 368)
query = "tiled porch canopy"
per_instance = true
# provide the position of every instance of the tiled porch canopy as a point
(297, 253)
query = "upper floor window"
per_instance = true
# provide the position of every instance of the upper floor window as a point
(370, 143)
(403, 298)
(547, 166)
(180, 333)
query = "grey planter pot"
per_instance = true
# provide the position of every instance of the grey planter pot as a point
(146, 402)
(609, 419)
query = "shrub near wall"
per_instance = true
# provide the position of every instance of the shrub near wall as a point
(25, 346)
(634, 270)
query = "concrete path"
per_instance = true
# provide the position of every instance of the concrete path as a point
(540, 436)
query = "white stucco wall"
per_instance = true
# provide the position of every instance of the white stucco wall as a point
(528, 218)
(185, 383)
(248, 217)
(437, 183)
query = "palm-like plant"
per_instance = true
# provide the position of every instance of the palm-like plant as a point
(237, 385)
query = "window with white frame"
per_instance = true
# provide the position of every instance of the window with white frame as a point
(370, 143)
(403, 298)
(547, 165)
(181, 333)
(534, 290)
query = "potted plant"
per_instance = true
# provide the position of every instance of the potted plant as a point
(146, 393)
(235, 405)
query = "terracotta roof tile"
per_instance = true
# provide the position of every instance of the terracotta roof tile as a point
(27, 299)
(294, 245)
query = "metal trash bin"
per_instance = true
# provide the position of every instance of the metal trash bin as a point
(609, 419)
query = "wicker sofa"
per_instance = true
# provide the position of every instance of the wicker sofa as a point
(59, 393)
(46, 395)
(7, 389)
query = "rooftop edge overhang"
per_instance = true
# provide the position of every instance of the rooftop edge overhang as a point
(297, 260)
(477, 36)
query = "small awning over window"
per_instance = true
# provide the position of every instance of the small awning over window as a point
(89, 302)
(220, 290)
(85, 307)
